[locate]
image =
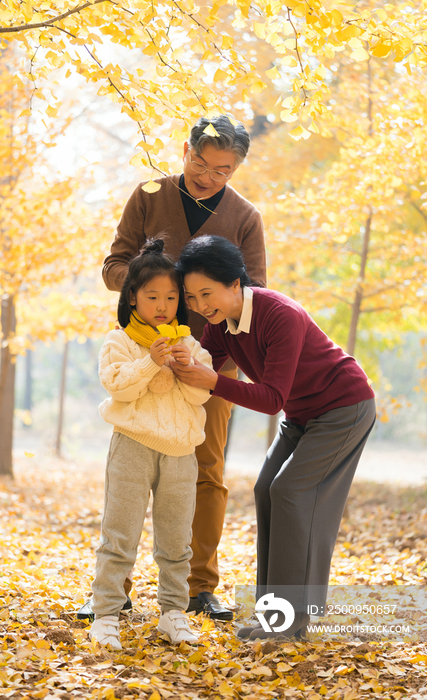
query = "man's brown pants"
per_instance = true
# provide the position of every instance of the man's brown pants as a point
(211, 497)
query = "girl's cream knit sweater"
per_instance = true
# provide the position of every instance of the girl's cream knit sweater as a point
(148, 403)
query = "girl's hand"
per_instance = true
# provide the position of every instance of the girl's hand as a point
(181, 353)
(197, 374)
(159, 350)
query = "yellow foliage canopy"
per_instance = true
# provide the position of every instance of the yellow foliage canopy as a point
(181, 38)
(346, 217)
(47, 234)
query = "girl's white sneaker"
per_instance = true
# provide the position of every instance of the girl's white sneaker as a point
(174, 623)
(105, 630)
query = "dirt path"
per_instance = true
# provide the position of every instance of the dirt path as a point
(382, 461)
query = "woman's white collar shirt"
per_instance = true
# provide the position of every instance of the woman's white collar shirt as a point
(244, 325)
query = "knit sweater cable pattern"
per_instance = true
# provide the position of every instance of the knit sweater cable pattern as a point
(148, 403)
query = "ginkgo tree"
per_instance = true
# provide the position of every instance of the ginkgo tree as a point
(230, 55)
(198, 66)
(347, 230)
(48, 235)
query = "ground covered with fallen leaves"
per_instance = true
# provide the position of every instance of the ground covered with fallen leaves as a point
(49, 528)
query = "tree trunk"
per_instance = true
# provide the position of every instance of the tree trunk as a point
(61, 400)
(230, 424)
(229, 432)
(358, 297)
(7, 384)
(272, 429)
(357, 304)
(28, 395)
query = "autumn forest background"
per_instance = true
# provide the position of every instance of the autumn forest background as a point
(96, 97)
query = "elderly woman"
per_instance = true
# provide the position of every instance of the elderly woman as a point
(329, 411)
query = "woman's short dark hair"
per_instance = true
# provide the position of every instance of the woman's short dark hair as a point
(215, 257)
(149, 263)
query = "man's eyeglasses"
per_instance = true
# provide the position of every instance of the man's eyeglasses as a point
(200, 169)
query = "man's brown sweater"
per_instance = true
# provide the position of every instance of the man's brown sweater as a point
(161, 215)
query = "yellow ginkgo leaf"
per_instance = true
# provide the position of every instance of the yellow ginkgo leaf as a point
(299, 133)
(360, 55)
(166, 330)
(183, 331)
(146, 146)
(273, 73)
(381, 50)
(51, 111)
(208, 626)
(138, 160)
(210, 130)
(286, 115)
(174, 334)
(258, 87)
(29, 454)
(225, 689)
(227, 42)
(259, 29)
(155, 695)
(219, 75)
(151, 187)
(208, 678)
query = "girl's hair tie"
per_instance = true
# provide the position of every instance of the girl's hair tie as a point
(153, 247)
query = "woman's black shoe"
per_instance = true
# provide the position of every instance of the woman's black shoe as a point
(297, 630)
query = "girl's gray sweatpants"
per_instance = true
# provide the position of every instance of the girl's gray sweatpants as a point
(132, 471)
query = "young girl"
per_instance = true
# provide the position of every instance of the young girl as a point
(157, 421)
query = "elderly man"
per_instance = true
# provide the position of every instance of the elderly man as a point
(198, 202)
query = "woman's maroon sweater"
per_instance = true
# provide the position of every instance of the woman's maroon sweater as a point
(292, 363)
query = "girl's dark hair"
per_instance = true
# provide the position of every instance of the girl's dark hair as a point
(216, 258)
(149, 263)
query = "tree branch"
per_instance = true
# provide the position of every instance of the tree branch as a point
(207, 30)
(419, 210)
(382, 290)
(124, 98)
(49, 22)
(375, 309)
(297, 51)
(345, 301)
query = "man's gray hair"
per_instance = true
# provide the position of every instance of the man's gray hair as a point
(231, 138)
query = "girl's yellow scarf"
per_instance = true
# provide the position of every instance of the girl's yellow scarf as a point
(144, 334)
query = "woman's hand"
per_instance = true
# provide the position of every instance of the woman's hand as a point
(181, 353)
(159, 350)
(197, 375)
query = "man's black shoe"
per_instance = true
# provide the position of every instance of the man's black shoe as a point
(86, 612)
(209, 604)
(194, 605)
